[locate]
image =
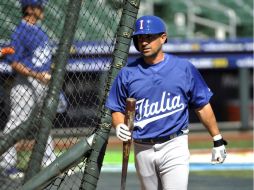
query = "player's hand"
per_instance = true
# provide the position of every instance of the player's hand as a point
(45, 77)
(123, 132)
(219, 152)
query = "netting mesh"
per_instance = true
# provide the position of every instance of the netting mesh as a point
(80, 100)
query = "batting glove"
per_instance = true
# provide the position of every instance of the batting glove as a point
(123, 132)
(219, 153)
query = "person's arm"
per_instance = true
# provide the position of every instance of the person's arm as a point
(207, 118)
(122, 130)
(117, 118)
(44, 77)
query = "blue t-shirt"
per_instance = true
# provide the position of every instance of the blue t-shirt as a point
(31, 46)
(163, 91)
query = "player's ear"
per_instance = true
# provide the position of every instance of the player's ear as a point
(164, 38)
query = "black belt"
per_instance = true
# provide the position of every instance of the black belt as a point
(159, 139)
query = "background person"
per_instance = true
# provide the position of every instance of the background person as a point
(165, 87)
(31, 62)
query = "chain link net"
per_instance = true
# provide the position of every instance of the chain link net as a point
(78, 110)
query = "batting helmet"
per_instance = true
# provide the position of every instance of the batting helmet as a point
(40, 3)
(148, 25)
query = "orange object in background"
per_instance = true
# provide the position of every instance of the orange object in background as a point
(7, 50)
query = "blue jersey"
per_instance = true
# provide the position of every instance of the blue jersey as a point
(163, 91)
(31, 46)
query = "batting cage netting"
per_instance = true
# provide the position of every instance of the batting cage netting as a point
(57, 61)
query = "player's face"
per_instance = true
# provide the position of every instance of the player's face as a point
(39, 13)
(35, 12)
(150, 45)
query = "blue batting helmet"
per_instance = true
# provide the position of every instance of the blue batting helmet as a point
(40, 3)
(148, 25)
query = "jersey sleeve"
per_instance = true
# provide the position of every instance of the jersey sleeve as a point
(199, 93)
(17, 44)
(116, 100)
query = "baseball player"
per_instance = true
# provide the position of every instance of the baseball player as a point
(164, 86)
(31, 62)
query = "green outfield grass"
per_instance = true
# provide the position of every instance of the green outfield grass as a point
(226, 173)
(115, 156)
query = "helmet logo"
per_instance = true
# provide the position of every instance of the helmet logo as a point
(141, 25)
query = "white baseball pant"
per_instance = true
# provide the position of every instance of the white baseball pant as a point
(163, 166)
(23, 98)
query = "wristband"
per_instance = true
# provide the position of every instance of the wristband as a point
(219, 143)
(217, 137)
